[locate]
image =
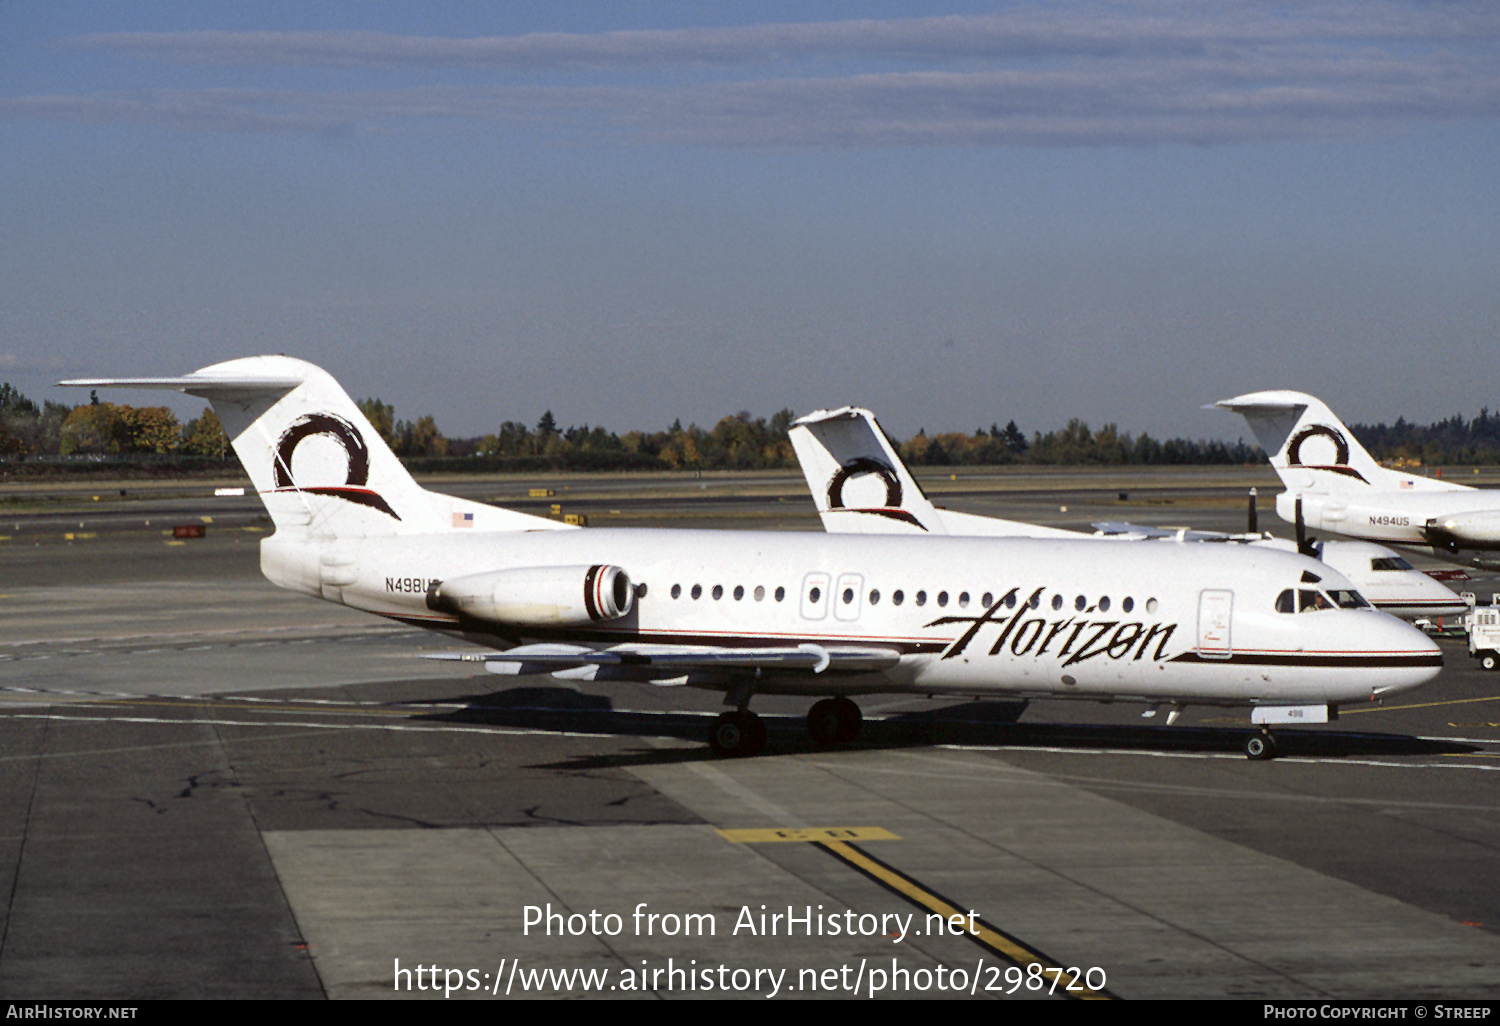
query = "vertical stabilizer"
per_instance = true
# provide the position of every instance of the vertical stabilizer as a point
(861, 486)
(858, 482)
(1312, 450)
(319, 466)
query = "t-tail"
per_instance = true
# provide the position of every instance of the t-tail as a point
(1312, 450)
(861, 486)
(319, 466)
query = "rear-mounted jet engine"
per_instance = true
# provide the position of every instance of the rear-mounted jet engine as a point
(539, 596)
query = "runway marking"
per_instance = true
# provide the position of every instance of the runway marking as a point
(284, 707)
(770, 836)
(1420, 705)
(62, 718)
(837, 841)
(983, 933)
(1005, 770)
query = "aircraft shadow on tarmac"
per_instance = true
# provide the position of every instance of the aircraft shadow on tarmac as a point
(976, 723)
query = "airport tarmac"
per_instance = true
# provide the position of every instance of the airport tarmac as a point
(211, 788)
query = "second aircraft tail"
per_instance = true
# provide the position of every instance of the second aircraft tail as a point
(1312, 450)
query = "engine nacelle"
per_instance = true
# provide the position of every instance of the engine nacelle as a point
(537, 596)
(1478, 530)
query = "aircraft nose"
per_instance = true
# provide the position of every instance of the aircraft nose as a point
(1415, 658)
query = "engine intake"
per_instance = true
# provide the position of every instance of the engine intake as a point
(541, 596)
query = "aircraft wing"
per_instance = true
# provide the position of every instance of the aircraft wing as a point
(1124, 527)
(545, 658)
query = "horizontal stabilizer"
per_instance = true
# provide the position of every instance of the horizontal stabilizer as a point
(201, 385)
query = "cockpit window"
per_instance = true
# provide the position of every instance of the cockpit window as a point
(1349, 599)
(1389, 563)
(1286, 602)
(1309, 601)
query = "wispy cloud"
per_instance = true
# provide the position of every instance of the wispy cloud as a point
(1093, 29)
(1064, 74)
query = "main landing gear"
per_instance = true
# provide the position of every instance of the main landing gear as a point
(834, 721)
(741, 733)
(1260, 745)
(737, 734)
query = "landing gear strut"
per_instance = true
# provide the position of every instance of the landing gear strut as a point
(834, 721)
(1260, 745)
(737, 734)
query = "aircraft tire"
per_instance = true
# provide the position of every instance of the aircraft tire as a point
(1260, 746)
(737, 734)
(834, 721)
(1489, 661)
(823, 723)
(851, 720)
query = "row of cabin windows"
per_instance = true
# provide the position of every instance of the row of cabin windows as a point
(718, 592)
(898, 597)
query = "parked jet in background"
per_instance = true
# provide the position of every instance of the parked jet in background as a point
(750, 612)
(1337, 486)
(861, 486)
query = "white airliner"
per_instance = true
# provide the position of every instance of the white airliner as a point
(1339, 487)
(748, 612)
(860, 485)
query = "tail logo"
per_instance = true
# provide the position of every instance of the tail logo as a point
(1340, 464)
(357, 455)
(859, 467)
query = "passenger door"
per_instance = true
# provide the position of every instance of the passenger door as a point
(1215, 609)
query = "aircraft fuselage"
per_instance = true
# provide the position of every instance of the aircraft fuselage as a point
(1086, 619)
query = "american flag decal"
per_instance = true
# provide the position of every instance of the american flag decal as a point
(463, 520)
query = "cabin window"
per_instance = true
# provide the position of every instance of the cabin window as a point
(640, 590)
(963, 600)
(739, 592)
(780, 594)
(1035, 601)
(815, 595)
(1128, 604)
(848, 595)
(1056, 601)
(1010, 600)
(921, 598)
(1151, 606)
(988, 600)
(1079, 603)
(677, 591)
(898, 597)
(1104, 604)
(1389, 563)
(718, 592)
(942, 598)
(874, 596)
(697, 592)
(760, 592)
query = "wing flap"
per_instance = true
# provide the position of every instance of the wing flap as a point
(817, 658)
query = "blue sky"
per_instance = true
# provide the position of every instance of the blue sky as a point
(631, 213)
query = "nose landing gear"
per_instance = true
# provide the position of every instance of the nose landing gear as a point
(1260, 746)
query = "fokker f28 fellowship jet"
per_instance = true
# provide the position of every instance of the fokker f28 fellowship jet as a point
(1333, 484)
(752, 612)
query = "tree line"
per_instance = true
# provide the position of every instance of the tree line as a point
(737, 442)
